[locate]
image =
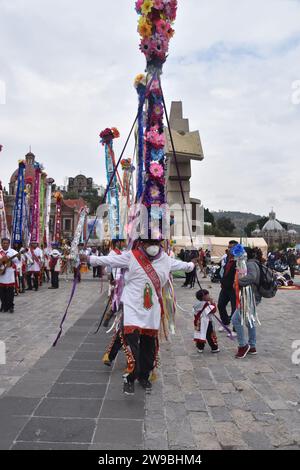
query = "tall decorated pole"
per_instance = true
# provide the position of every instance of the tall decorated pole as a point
(35, 216)
(107, 136)
(4, 232)
(19, 209)
(42, 206)
(26, 214)
(49, 183)
(155, 28)
(127, 193)
(58, 219)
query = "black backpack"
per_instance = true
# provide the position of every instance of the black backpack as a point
(267, 286)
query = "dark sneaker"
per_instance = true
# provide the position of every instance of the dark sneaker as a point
(146, 384)
(128, 387)
(215, 351)
(252, 351)
(11, 310)
(242, 352)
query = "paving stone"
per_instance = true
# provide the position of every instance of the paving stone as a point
(257, 440)
(183, 363)
(195, 402)
(60, 390)
(229, 435)
(127, 409)
(29, 388)
(89, 355)
(121, 431)
(115, 446)
(58, 430)
(173, 393)
(69, 408)
(279, 435)
(17, 406)
(206, 441)
(10, 428)
(83, 377)
(213, 399)
(156, 444)
(48, 446)
(90, 347)
(179, 436)
(85, 365)
(220, 413)
(201, 423)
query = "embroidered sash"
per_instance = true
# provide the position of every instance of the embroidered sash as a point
(35, 258)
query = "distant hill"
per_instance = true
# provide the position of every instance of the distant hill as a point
(241, 219)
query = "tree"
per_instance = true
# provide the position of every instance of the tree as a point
(225, 226)
(208, 217)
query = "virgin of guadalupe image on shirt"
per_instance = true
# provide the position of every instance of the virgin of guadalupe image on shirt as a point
(148, 294)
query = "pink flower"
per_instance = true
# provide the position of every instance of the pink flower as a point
(158, 4)
(159, 47)
(157, 112)
(162, 27)
(156, 170)
(171, 10)
(138, 5)
(146, 47)
(154, 192)
(156, 139)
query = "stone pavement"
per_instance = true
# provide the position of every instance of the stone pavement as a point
(214, 401)
(64, 398)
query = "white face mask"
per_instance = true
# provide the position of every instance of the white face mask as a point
(153, 250)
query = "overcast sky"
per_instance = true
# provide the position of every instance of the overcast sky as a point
(68, 68)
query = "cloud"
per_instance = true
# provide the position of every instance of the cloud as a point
(69, 67)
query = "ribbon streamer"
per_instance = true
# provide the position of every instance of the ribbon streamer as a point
(35, 226)
(18, 218)
(4, 232)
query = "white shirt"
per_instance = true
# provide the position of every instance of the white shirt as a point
(56, 254)
(136, 279)
(36, 267)
(9, 276)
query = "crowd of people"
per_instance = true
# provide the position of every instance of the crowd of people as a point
(283, 260)
(26, 269)
(231, 291)
(137, 276)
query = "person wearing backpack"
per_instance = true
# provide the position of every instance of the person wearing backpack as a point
(252, 279)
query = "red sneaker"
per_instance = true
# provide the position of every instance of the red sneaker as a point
(252, 351)
(242, 352)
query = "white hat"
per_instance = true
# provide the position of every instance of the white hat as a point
(55, 253)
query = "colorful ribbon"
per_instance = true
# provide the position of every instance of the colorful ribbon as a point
(18, 217)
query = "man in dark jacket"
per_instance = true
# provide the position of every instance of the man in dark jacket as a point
(227, 293)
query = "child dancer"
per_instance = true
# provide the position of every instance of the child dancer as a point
(203, 322)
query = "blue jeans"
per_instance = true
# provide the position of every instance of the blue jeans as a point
(239, 328)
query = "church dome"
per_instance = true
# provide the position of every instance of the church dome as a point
(292, 232)
(273, 225)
